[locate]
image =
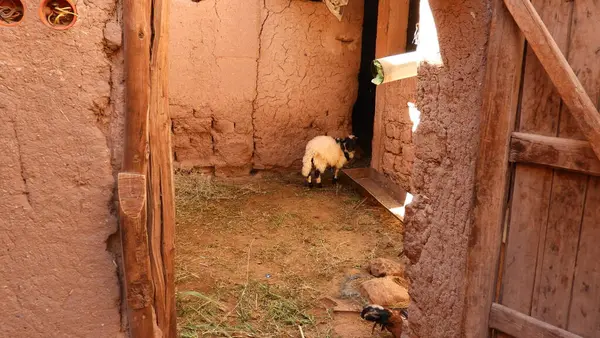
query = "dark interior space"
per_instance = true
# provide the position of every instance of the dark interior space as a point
(363, 112)
(413, 23)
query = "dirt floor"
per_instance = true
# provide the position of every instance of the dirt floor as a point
(256, 256)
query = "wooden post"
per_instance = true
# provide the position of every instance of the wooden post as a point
(134, 242)
(161, 198)
(136, 34)
(501, 89)
(560, 72)
(132, 184)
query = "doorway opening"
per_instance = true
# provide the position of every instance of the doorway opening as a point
(363, 111)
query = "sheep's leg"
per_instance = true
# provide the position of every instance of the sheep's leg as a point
(309, 178)
(335, 175)
(318, 178)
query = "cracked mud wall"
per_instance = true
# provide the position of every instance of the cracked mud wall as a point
(446, 144)
(56, 178)
(252, 81)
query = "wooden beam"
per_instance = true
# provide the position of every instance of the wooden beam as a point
(560, 72)
(501, 88)
(136, 264)
(520, 325)
(132, 185)
(136, 46)
(561, 153)
(161, 198)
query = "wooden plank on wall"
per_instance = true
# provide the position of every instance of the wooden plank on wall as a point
(559, 71)
(501, 89)
(584, 312)
(161, 198)
(540, 110)
(520, 325)
(560, 153)
(392, 23)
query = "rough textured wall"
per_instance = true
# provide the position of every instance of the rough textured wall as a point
(251, 81)
(446, 141)
(56, 179)
(307, 77)
(398, 150)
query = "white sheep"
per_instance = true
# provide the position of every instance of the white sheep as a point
(323, 152)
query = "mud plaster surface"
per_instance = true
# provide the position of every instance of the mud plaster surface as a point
(56, 179)
(398, 149)
(446, 141)
(252, 81)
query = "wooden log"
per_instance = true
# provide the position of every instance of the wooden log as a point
(501, 88)
(567, 84)
(136, 47)
(134, 241)
(520, 325)
(161, 199)
(560, 153)
(132, 185)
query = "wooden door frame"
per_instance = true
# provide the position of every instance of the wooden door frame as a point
(513, 21)
(145, 185)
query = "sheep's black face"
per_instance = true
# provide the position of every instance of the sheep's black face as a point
(349, 145)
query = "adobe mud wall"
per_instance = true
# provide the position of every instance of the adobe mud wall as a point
(252, 81)
(398, 149)
(446, 142)
(56, 177)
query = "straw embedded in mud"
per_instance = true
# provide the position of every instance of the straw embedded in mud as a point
(12, 12)
(58, 14)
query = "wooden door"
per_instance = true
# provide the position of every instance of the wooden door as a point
(537, 218)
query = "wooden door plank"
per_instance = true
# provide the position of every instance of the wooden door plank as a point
(560, 249)
(559, 71)
(584, 315)
(560, 153)
(540, 107)
(501, 89)
(568, 192)
(584, 312)
(520, 325)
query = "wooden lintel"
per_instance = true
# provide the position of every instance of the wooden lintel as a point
(560, 72)
(561, 153)
(520, 325)
(134, 242)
